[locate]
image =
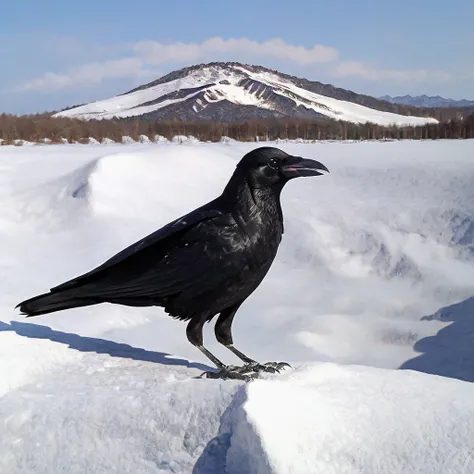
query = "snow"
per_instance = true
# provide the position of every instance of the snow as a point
(23, 143)
(131, 104)
(160, 139)
(375, 272)
(126, 140)
(331, 419)
(143, 139)
(180, 139)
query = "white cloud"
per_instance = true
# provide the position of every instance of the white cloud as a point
(92, 73)
(157, 53)
(153, 53)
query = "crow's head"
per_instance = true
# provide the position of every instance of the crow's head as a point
(268, 166)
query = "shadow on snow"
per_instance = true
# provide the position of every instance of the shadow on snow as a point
(99, 346)
(450, 352)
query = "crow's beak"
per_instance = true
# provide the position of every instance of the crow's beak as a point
(297, 167)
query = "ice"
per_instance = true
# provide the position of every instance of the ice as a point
(376, 268)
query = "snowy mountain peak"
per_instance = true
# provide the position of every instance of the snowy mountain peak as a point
(237, 92)
(427, 101)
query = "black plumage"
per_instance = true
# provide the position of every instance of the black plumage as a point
(202, 264)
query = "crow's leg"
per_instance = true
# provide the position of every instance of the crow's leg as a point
(194, 334)
(223, 333)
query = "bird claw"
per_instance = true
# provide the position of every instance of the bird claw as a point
(231, 372)
(247, 372)
(270, 367)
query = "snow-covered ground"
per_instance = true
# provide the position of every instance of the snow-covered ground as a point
(376, 269)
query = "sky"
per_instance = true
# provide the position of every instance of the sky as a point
(57, 54)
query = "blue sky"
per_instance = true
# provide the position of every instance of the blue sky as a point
(56, 54)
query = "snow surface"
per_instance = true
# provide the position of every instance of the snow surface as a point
(376, 268)
(131, 104)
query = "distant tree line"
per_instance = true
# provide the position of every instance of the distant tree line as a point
(37, 128)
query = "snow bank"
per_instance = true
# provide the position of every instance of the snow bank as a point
(122, 410)
(23, 143)
(143, 412)
(143, 139)
(331, 419)
(184, 139)
(126, 140)
(160, 139)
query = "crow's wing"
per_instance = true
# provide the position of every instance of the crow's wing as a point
(131, 266)
(201, 262)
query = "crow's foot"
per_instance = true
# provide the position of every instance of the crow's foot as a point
(270, 367)
(245, 372)
(232, 372)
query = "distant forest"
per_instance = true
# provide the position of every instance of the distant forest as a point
(37, 128)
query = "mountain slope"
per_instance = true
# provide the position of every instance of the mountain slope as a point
(235, 92)
(427, 101)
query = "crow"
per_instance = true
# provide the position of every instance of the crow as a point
(205, 263)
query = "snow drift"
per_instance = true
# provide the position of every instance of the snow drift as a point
(116, 415)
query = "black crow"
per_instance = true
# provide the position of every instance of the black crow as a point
(205, 263)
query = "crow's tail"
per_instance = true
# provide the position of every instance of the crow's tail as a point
(51, 302)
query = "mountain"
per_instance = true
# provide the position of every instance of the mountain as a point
(234, 92)
(427, 101)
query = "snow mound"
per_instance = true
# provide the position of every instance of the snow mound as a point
(189, 140)
(111, 409)
(126, 140)
(23, 143)
(140, 411)
(143, 139)
(107, 141)
(160, 139)
(331, 419)
(227, 140)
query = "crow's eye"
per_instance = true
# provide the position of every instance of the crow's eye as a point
(273, 164)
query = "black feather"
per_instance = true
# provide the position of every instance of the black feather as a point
(204, 263)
